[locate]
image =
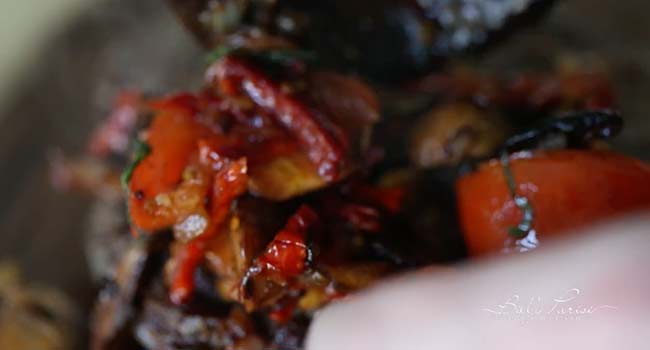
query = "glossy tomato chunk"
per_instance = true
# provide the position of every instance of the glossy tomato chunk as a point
(567, 189)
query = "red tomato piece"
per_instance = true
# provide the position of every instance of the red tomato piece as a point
(288, 251)
(567, 189)
(172, 138)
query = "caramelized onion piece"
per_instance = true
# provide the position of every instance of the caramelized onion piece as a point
(454, 132)
(285, 177)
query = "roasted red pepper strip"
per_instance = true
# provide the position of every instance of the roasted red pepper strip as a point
(187, 258)
(172, 138)
(288, 251)
(323, 141)
(567, 189)
(229, 183)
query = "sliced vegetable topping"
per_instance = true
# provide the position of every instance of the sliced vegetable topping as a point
(567, 189)
(284, 258)
(288, 252)
(229, 183)
(172, 138)
(187, 257)
(323, 141)
(247, 134)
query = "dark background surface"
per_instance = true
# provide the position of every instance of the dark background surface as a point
(138, 44)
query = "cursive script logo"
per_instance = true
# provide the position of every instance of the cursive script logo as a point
(564, 307)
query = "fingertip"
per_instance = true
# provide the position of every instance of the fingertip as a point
(337, 327)
(446, 309)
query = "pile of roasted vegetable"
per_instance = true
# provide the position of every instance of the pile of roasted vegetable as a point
(282, 184)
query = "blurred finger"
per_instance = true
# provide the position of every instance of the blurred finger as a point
(587, 293)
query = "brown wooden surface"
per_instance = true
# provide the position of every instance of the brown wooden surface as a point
(138, 44)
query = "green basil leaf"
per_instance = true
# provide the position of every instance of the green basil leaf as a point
(276, 56)
(140, 151)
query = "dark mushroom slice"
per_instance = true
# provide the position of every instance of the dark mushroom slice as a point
(453, 132)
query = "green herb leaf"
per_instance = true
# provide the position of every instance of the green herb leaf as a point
(526, 224)
(219, 53)
(286, 56)
(277, 56)
(140, 151)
